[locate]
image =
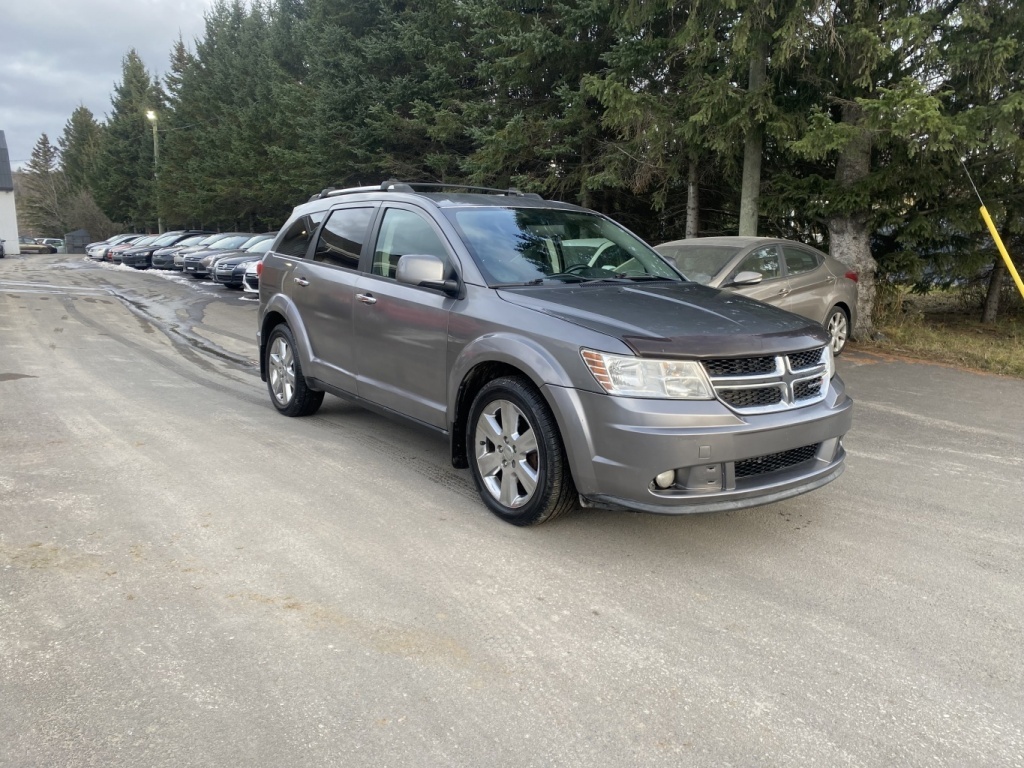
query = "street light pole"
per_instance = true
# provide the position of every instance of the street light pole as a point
(154, 119)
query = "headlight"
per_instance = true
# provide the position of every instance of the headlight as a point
(830, 362)
(643, 377)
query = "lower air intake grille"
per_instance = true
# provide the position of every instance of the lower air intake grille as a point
(760, 465)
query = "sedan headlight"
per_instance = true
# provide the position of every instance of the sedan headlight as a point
(643, 377)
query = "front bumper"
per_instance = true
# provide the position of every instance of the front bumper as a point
(721, 460)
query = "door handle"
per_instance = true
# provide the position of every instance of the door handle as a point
(366, 298)
(301, 280)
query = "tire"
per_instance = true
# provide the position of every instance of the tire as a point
(837, 323)
(516, 454)
(287, 386)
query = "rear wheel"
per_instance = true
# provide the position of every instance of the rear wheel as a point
(516, 454)
(838, 326)
(287, 386)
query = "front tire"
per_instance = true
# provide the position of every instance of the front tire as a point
(516, 454)
(287, 386)
(838, 326)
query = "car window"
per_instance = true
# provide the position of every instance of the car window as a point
(295, 241)
(798, 260)
(232, 241)
(764, 260)
(699, 262)
(342, 237)
(403, 232)
(517, 245)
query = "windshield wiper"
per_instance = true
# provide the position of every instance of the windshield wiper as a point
(624, 276)
(566, 276)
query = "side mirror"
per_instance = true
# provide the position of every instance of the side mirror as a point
(746, 278)
(425, 271)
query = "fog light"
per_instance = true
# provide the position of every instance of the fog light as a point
(665, 479)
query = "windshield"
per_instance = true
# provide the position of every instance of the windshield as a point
(537, 245)
(167, 239)
(232, 241)
(699, 263)
(261, 246)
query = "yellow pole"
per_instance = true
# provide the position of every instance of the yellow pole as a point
(1002, 250)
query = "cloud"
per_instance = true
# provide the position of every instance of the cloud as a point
(59, 54)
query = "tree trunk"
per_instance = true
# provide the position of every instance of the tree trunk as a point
(849, 234)
(692, 202)
(995, 286)
(753, 147)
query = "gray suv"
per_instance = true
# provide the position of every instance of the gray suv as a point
(565, 361)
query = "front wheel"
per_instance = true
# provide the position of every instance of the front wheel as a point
(838, 326)
(287, 386)
(516, 454)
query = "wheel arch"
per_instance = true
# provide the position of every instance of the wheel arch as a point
(278, 311)
(492, 357)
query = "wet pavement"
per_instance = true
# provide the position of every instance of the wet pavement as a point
(188, 578)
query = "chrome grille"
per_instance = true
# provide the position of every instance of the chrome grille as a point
(765, 384)
(808, 359)
(805, 389)
(751, 398)
(744, 366)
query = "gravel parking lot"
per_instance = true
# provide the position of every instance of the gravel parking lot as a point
(188, 578)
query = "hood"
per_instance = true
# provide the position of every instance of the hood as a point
(238, 258)
(674, 320)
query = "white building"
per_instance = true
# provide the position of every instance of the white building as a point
(8, 213)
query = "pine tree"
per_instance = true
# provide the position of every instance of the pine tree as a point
(124, 180)
(79, 145)
(899, 87)
(45, 191)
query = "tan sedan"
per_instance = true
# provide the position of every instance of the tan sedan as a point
(784, 273)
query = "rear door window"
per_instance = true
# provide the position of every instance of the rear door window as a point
(799, 260)
(342, 237)
(295, 240)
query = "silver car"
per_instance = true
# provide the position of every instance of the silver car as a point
(564, 360)
(787, 274)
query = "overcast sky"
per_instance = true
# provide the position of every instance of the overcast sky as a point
(57, 54)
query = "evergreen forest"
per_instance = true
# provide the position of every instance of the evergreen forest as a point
(851, 125)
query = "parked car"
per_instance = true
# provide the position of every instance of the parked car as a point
(214, 257)
(29, 245)
(163, 258)
(114, 253)
(229, 269)
(54, 242)
(784, 273)
(202, 245)
(197, 264)
(98, 251)
(3, 252)
(251, 278)
(564, 359)
(141, 256)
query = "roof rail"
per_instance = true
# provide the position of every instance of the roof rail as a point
(393, 185)
(417, 186)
